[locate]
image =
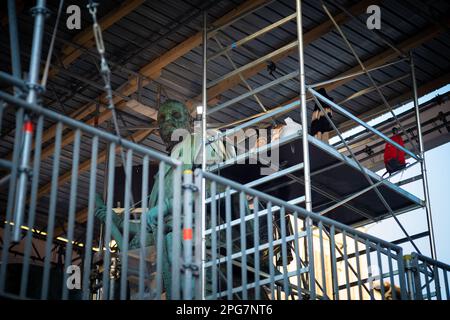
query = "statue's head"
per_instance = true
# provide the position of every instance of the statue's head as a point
(172, 115)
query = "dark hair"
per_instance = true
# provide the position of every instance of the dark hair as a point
(394, 130)
(323, 92)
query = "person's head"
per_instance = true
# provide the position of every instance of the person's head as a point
(172, 115)
(394, 131)
(324, 93)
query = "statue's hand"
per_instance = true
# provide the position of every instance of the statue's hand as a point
(100, 208)
(152, 214)
(152, 217)
(100, 212)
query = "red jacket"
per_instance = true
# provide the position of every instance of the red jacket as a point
(391, 152)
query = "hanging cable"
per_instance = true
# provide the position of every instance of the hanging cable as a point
(52, 44)
(106, 75)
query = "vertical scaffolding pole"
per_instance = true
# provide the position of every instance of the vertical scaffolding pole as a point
(14, 42)
(203, 188)
(187, 234)
(426, 192)
(39, 11)
(304, 114)
(306, 168)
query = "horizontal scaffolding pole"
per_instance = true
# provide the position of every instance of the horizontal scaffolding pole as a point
(362, 123)
(259, 33)
(253, 63)
(301, 211)
(414, 237)
(254, 91)
(355, 74)
(16, 82)
(256, 120)
(409, 180)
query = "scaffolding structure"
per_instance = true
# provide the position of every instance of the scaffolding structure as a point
(289, 260)
(417, 152)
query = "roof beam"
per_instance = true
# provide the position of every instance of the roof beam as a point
(403, 98)
(141, 108)
(99, 119)
(386, 56)
(86, 37)
(309, 37)
(154, 68)
(378, 60)
(70, 136)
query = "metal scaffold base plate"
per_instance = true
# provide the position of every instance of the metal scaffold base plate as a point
(334, 178)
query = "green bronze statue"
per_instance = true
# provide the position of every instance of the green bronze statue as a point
(173, 116)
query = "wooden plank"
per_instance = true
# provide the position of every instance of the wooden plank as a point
(86, 37)
(70, 136)
(308, 37)
(386, 56)
(154, 68)
(377, 60)
(141, 108)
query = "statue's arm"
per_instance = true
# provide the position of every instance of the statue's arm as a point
(152, 215)
(117, 220)
(100, 213)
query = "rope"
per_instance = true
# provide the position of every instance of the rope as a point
(52, 44)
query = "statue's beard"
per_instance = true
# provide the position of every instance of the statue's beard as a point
(166, 131)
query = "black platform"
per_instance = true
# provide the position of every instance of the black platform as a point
(334, 177)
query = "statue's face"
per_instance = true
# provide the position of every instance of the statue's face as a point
(172, 115)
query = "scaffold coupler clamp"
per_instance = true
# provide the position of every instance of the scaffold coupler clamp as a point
(193, 267)
(40, 10)
(189, 186)
(36, 87)
(408, 263)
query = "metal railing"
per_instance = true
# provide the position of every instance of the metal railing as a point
(256, 246)
(253, 245)
(238, 243)
(62, 220)
(427, 278)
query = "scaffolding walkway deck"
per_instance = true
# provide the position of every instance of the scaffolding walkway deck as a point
(334, 177)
